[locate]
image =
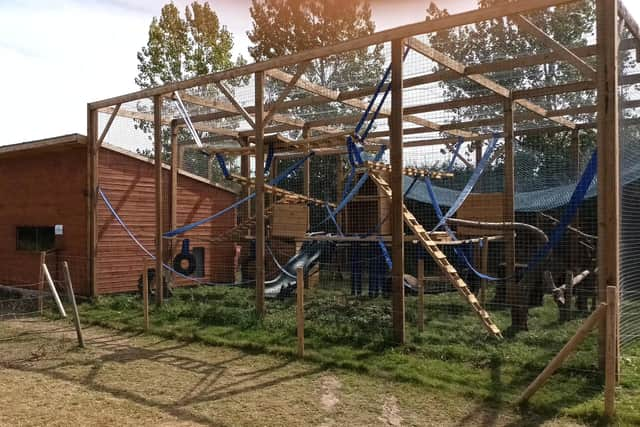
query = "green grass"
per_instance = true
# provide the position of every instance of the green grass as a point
(453, 355)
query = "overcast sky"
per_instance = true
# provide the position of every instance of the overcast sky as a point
(55, 56)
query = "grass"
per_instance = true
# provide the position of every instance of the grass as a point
(453, 355)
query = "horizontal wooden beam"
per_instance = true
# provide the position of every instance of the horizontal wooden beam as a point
(450, 21)
(526, 25)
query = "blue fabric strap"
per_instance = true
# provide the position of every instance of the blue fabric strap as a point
(238, 203)
(570, 211)
(269, 160)
(470, 184)
(456, 153)
(223, 165)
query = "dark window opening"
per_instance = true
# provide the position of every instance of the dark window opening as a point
(35, 238)
(198, 254)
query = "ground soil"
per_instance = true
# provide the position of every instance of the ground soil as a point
(127, 379)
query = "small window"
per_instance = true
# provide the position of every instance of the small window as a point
(35, 238)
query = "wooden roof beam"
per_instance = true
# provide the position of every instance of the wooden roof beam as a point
(227, 93)
(148, 117)
(481, 80)
(334, 95)
(277, 105)
(526, 25)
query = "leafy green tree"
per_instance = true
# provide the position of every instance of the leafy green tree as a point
(282, 27)
(180, 47)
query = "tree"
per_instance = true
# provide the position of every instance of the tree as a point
(488, 41)
(180, 48)
(283, 27)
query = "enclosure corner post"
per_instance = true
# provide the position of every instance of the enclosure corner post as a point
(92, 198)
(397, 227)
(514, 297)
(260, 222)
(608, 159)
(611, 355)
(173, 203)
(157, 153)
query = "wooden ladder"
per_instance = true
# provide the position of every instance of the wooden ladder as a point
(441, 260)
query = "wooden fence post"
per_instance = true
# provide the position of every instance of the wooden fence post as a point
(420, 295)
(54, 292)
(74, 306)
(611, 355)
(300, 309)
(43, 261)
(145, 295)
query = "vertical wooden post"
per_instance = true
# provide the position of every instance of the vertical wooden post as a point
(159, 206)
(611, 356)
(43, 261)
(484, 268)
(74, 306)
(145, 295)
(175, 169)
(260, 226)
(307, 175)
(608, 158)
(300, 309)
(245, 166)
(92, 197)
(397, 227)
(514, 300)
(420, 295)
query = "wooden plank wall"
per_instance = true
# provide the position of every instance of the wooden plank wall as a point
(129, 184)
(44, 188)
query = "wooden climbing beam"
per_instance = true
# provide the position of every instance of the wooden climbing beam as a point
(291, 196)
(381, 167)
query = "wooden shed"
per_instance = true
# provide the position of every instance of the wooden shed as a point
(44, 206)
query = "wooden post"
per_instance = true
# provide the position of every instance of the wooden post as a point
(566, 351)
(514, 300)
(260, 226)
(397, 206)
(611, 359)
(420, 295)
(307, 174)
(43, 261)
(484, 267)
(54, 292)
(74, 306)
(175, 169)
(300, 309)
(92, 197)
(145, 295)
(608, 158)
(157, 153)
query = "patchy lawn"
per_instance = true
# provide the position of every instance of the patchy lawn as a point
(453, 355)
(133, 379)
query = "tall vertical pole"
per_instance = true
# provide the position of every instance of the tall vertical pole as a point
(260, 227)
(397, 226)
(608, 158)
(175, 167)
(159, 206)
(92, 199)
(513, 299)
(307, 175)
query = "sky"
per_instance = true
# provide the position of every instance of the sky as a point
(56, 56)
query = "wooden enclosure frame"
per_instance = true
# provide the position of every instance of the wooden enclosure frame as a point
(269, 119)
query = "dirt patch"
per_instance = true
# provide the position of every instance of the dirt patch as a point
(129, 379)
(390, 412)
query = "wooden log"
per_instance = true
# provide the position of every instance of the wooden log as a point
(484, 266)
(105, 131)
(74, 306)
(397, 206)
(501, 225)
(611, 359)
(564, 353)
(300, 310)
(421, 282)
(54, 292)
(145, 296)
(259, 188)
(159, 196)
(43, 260)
